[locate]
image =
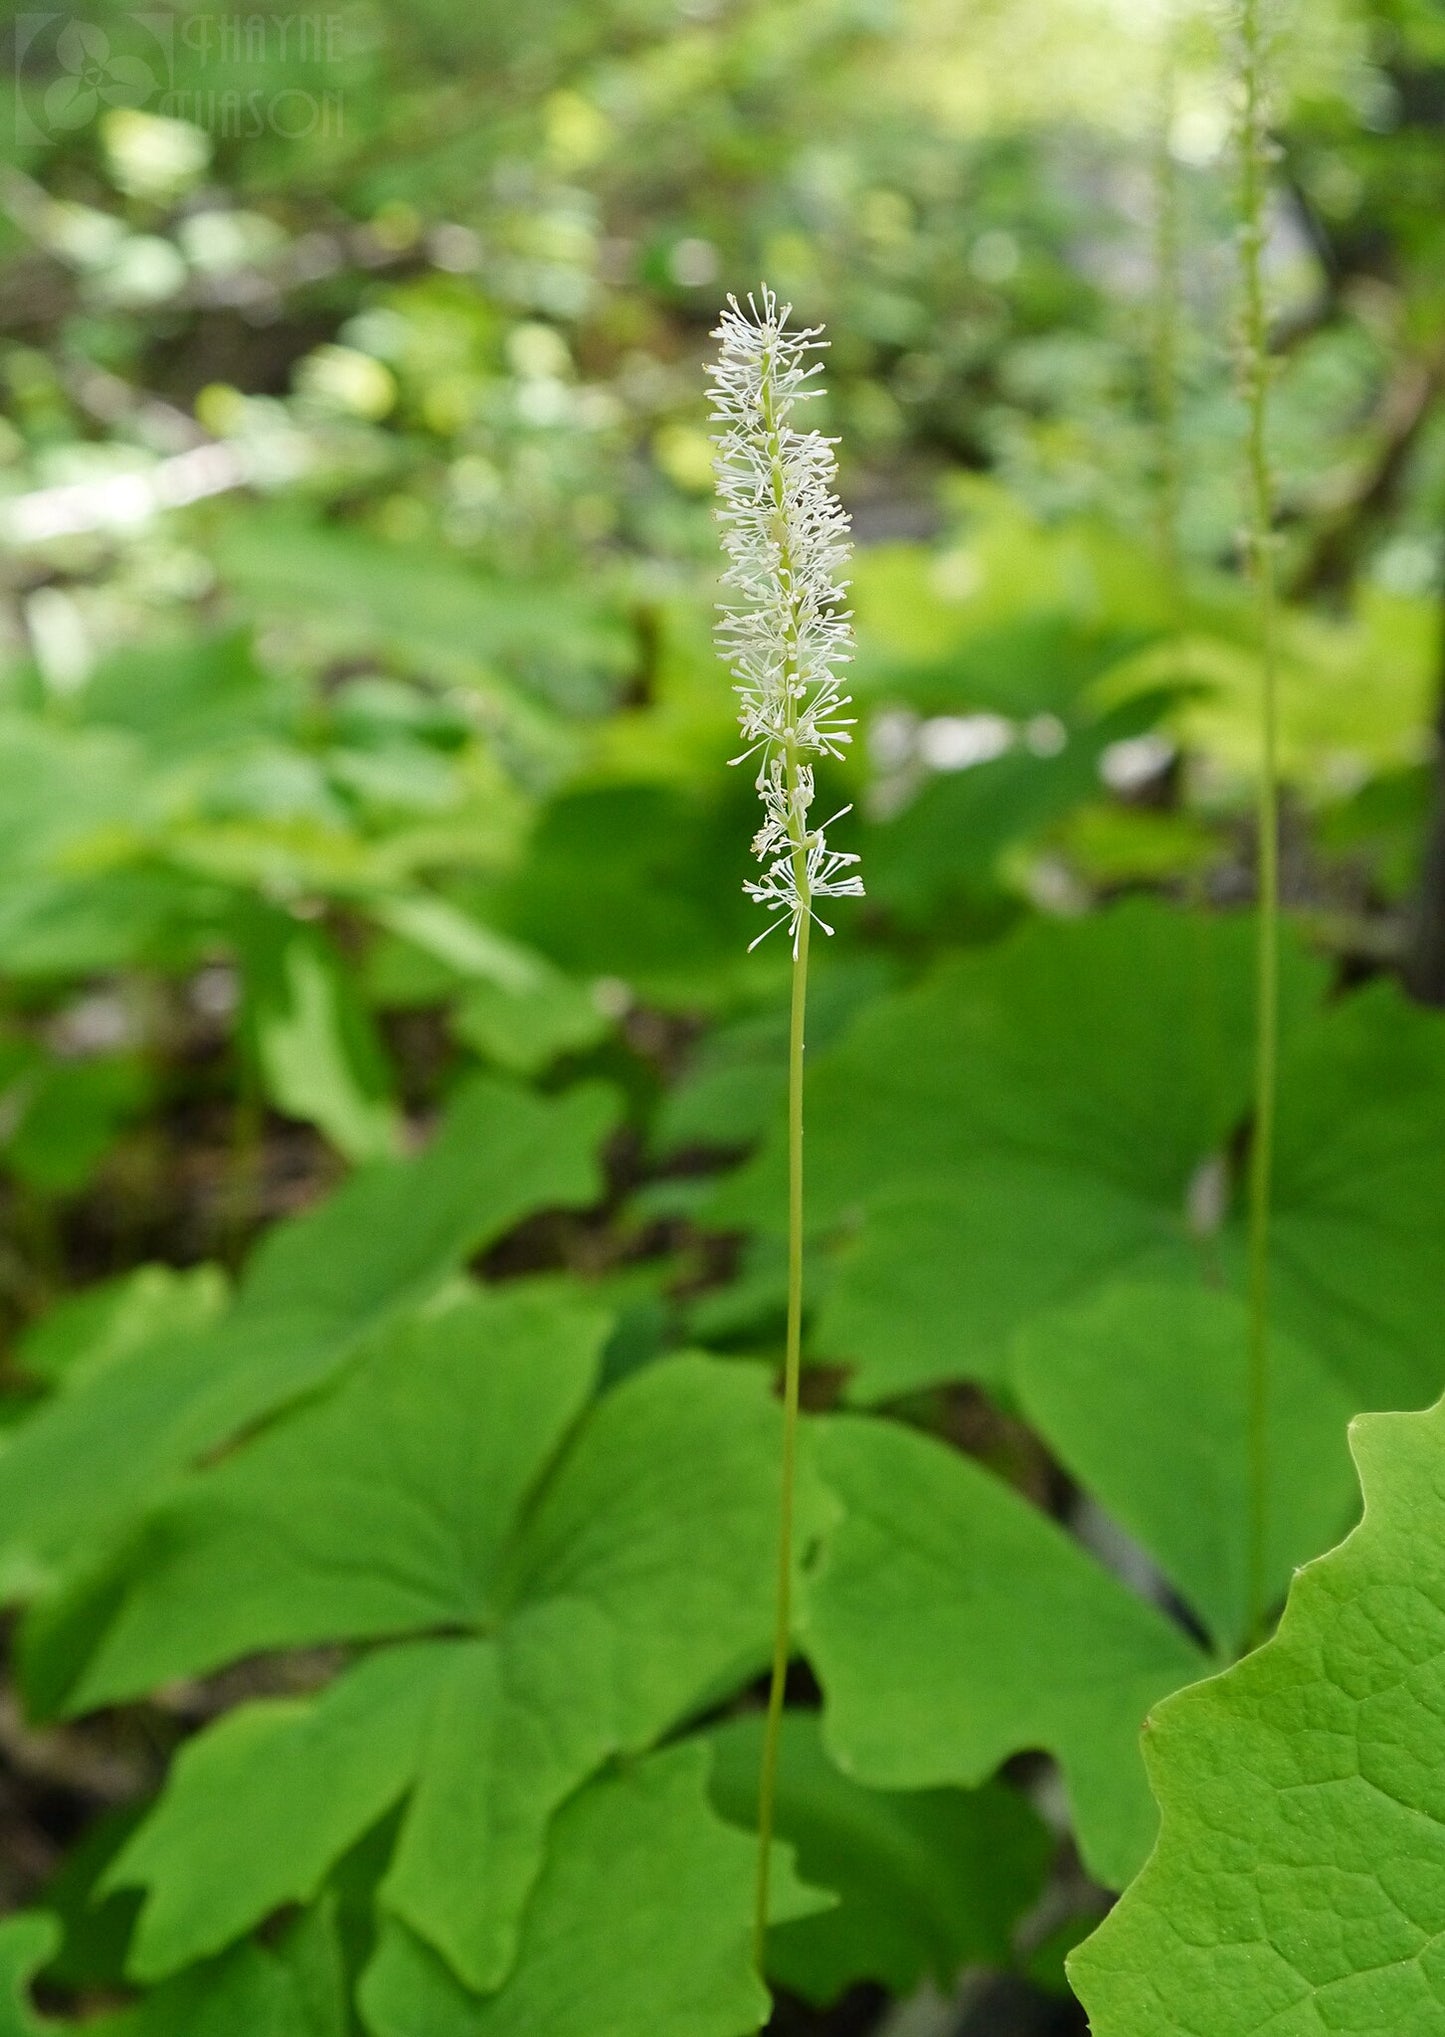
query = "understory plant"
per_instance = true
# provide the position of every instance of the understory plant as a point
(1296, 1880)
(784, 632)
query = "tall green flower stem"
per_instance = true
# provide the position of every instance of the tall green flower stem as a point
(797, 1031)
(1255, 152)
(784, 628)
(792, 1380)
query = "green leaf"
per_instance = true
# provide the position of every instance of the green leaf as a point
(639, 881)
(258, 1807)
(1359, 1185)
(389, 1237)
(97, 1929)
(664, 1515)
(468, 947)
(1143, 1393)
(61, 789)
(633, 1587)
(315, 1289)
(1043, 661)
(311, 1036)
(942, 1277)
(382, 1509)
(86, 1332)
(519, 1725)
(929, 1881)
(738, 1073)
(951, 1625)
(315, 1957)
(1298, 1885)
(435, 614)
(948, 842)
(641, 1921)
(81, 925)
(1060, 1089)
(248, 1992)
(525, 1030)
(185, 696)
(1059, 1111)
(64, 1116)
(27, 1941)
(488, 1737)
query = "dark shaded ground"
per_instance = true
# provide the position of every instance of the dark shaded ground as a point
(1007, 2008)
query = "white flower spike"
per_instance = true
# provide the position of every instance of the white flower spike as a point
(784, 627)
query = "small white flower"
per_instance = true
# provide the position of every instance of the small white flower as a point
(784, 626)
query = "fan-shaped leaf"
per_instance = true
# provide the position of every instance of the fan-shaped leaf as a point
(952, 1625)
(588, 1617)
(1143, 1392)
(1298, 1886)
(641, 1921)
(382, 1509)
(316, 1288)
(928, 1880)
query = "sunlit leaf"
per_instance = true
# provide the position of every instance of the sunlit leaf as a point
(948, 1622)
(1299, 1879)
(1143, 1393)
(641, 1920)
(928, 1881)
(316, 1288)
(312, 1037)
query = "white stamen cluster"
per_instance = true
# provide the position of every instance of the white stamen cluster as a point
(784, 628)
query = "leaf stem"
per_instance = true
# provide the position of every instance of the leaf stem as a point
(1254, 162)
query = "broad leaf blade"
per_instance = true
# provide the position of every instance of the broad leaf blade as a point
(928, 1881)
(1118, 1045)
(1298, 1885)
(519, 1725)
(663, 1516)
(382, 1509)
(99, 1325)
(951, 1626)
(248, 1992)
(27, 1941)
(640, 1922)
(312, 1038)
(311, 1774)
(1143, 1393)
(942, 1277)
(1359, 1185)
(314, 1291)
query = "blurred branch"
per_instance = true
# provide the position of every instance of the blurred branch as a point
(124, 500)
(64, 1759)
(115, 403)
(45, 285)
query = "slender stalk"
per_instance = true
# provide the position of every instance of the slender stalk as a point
(1254, 167)
(784, 629)
(792, 1375)
(793, 1352)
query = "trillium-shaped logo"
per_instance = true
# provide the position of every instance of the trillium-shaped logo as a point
(69, 70)
(93, 74)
